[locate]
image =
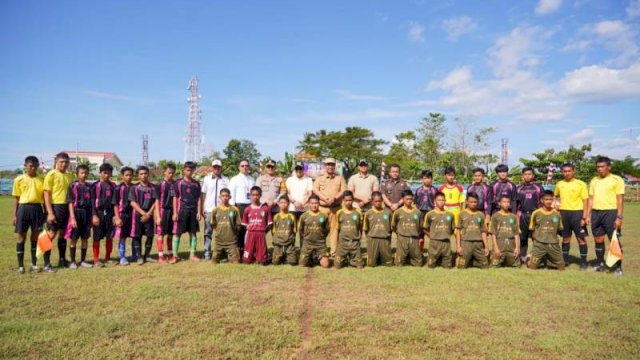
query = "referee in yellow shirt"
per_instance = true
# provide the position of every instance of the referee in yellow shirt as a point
(573, 197)
(606, 196)
(27, 210)
(56, 186)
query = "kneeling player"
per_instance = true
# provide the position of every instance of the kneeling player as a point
(545, 224)
(313, 228)
(471, 237)
(284, 234)
(439, 225)
(349, 223)
(406, 224)
(377, 227)
(505, 232)
(225, 220)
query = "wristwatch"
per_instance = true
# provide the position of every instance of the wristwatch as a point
(620, 216)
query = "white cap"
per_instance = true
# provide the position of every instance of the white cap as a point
(216, 163)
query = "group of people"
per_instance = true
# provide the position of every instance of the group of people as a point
(491, 224)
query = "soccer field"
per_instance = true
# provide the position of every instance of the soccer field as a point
(197, 310)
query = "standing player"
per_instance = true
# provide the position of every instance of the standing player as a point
(28, 214)
(187, 211)
(103, 214)
(471, 237)
(79, 199)
(606, 206)
(313, 228)
(349, 223)
(454, 193)
(123, 213)
(545, 225)
(165, 227)
(56, 185)
(505, 231)
(573, 196)
(257, 219)
(527, 201)
(377, 226)
(439, 225)
(502, 187)
(482, 190)
(406, 224)
(143, 201)
(284, 234)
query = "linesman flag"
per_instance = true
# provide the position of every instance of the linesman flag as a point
(44, 243)
(615, 251)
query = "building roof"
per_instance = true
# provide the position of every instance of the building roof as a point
(107, 156)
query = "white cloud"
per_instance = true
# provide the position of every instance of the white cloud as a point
(582, 136)
(416, 32)
(458, 26)
(109, 96)
(596, 83)
(616, 36)
(348, 95)
(557, 131)
(633, 9)
(515, 90)
(545, 7)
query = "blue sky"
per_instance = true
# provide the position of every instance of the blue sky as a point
(100, 74)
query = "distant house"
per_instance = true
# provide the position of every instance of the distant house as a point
(632, 180)
(96, 158)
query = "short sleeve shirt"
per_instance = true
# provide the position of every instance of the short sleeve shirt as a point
(605, 190)
(313, 227)
(440, 224)
(349, 224)
(57, 183)
(407, 222)
(256, 218)
(79, 195)
(29, 190)
(504, 226)
(471, 225)
(225, 220)
(377, 223)
(270, 186)
(284, 229)
(188, 193)
(145, 196)
(545, 226)
(121, 198)
(572, 194)
(393, 189)
(330, 186)
(363, 186)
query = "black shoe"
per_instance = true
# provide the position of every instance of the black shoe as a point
(583, 266)
(49, 269)
(598, 268)
(21, 270)
(64, 263)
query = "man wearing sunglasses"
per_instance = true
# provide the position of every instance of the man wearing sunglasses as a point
(240, 188)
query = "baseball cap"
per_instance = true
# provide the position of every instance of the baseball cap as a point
(216, 163)
(299, 166)
(363, 161)
(271, 163)
(329, 161)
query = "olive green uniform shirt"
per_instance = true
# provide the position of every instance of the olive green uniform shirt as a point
(471, 225)
(377, 223)
(440, 224)
(545, 226)
(406, 222)
(313, 228)
(225, 220)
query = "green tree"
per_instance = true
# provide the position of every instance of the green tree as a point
(578, 156)
(404, 152)
(237, 150)
(628, 166)
(285, 167)
(346, 146)
(431, 133)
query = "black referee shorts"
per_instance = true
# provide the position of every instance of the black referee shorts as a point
(29, 216)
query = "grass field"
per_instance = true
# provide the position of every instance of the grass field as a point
(197, 310)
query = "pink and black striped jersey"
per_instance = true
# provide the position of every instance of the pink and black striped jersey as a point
(188, 193)
(121, 198)
(79, 195)
(144, 195)
(166, 190)
(102, 196)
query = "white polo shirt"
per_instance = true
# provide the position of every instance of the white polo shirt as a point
(211, 189)
(298, 189)
(240, 188)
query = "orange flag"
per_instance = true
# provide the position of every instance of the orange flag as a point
(615, 252)
(44, 243)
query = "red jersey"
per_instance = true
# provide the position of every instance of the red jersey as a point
(256, 219)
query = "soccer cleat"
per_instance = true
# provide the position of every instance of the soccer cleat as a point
(174, 259)
(64, 263)
(161, 259)
(618, 272)
(49, 269)
(124, 262)
(73, 266)
(598, 268)
(151, 260)
(98, 264)
(21, 270)
(109, 261)
(140, 261)
(34, 269)
(583, 267)
(86, 265)
(194, 258)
